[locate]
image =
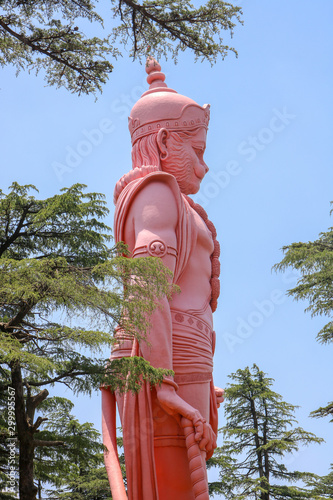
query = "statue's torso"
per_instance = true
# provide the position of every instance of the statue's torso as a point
(159, 212)
(194, 281)
(195, 275)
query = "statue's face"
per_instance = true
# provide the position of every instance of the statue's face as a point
(185, 161)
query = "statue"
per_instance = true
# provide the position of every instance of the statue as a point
(169, 430)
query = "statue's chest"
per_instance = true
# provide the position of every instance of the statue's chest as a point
(204, 239)
(206, 252)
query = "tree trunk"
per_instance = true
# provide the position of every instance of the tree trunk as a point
(263, 495)
(256, 439)
(266, 464)
(27, 489)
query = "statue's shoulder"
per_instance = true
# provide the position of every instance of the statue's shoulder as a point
(156, 188)
(153, 185)
(159, 187)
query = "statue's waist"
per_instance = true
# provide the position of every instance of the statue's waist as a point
(192, 320)
(192, 343)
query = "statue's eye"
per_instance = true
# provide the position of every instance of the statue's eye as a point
(199, 151)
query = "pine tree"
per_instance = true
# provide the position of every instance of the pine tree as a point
(62, 290)
(322, 486)
(47, 35)
(314, 260)
(260, 430)
(76, 470)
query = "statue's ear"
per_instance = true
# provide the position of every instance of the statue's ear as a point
(162, 136)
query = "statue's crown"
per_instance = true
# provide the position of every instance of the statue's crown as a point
(162, 107)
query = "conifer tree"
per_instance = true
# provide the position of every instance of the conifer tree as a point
(76, 470)
(322, 486)
(260, 431)
(62, 291)
(314, 260)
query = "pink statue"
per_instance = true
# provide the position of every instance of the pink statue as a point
(169, 430)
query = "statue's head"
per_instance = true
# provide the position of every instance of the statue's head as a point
(169, 130)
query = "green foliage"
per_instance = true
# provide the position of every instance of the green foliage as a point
(259, 432)
(171, 26)
(62, 292)
(76, 469)
(324, 411)
(66, 225)
(54, 259)
(129, 374)
(314, 260)
(322, 486)
(46, 35)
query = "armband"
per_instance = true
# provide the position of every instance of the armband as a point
(156, 248)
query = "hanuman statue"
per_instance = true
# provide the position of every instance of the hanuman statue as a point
(169, 430)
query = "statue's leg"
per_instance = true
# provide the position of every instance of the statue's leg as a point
(173, 477)
(138, 439)
(170, 453)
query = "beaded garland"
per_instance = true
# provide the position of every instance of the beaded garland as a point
(215, 257)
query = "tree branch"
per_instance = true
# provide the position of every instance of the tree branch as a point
(37, 48)
(39, 442)
(160, 22)
(16, 320)
(62, 376)
(15, 235)
(38, 423)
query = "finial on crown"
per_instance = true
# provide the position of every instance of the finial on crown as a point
(155, 77)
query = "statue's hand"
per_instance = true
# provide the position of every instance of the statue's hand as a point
(204, 435)
(177, 407)
(219, 394)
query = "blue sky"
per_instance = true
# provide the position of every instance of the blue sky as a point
(270, 153)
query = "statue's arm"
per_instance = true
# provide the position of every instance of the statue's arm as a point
(151, 227)
(151, 231)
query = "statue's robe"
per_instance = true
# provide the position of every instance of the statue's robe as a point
(136, 410)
